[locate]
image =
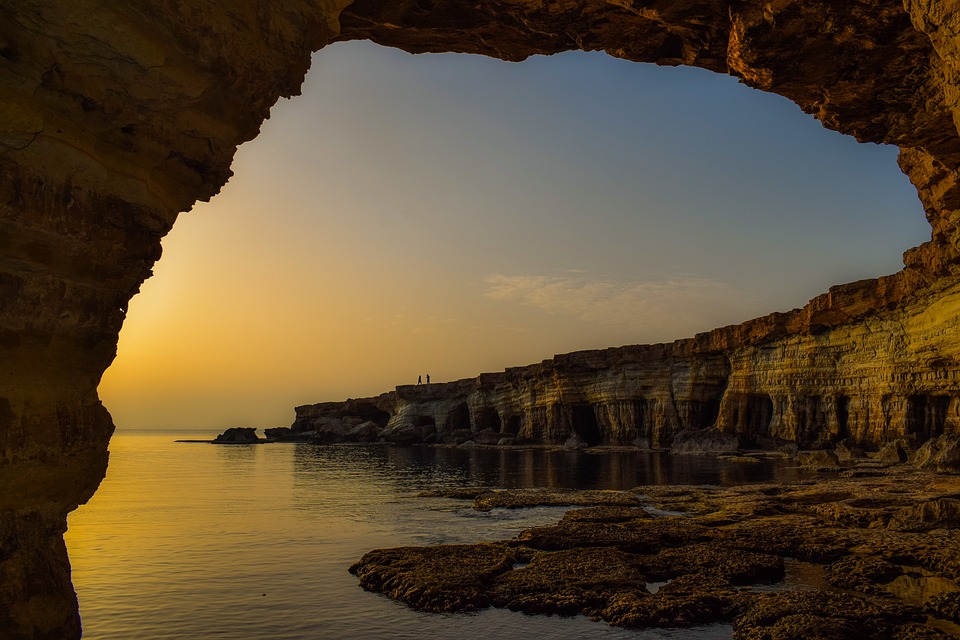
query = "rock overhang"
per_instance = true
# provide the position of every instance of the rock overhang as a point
(115, 118)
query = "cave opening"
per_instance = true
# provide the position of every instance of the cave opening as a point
(705, 412)
(641, 412)
(926, 416)
(459, 418)
(513, 424)
(753, 417)
(843, 417)
(371, 413)
(425, 421)
(488, 418)
(583, 422)
(811, 420)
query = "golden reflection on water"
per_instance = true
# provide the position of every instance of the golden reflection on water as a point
(204, 541)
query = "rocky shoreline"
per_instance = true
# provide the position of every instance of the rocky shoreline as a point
(880, 546)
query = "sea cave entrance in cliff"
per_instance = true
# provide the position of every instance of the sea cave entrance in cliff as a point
(459, 418)
(583, 421)
(488, 418)
(926, 416)
(752, 417)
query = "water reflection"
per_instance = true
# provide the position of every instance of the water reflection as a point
(416, 468)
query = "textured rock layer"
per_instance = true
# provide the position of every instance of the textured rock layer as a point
(872, 557)
(116, 117)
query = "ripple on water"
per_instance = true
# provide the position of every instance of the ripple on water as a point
(202, 541)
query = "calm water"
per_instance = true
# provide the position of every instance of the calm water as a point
(243, 542)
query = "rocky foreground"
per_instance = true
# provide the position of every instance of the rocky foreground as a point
(878, 549)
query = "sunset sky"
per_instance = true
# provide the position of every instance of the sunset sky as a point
(451, 214)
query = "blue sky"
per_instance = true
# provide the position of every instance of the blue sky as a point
(452, 214)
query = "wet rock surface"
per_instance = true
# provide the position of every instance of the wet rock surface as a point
(886, 549)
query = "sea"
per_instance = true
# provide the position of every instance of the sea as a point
(202, 541)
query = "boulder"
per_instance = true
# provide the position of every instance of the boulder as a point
(940, 454)
(364, 432)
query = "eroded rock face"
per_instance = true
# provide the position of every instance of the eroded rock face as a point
(116, 117)
(851, 365)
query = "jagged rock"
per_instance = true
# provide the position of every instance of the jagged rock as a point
(847, 451)
(364, 432)
(277, 433)
(945, 606)
(822, 616)
(932, 514)
(818, 459)
(238, 435)
(893, 453)
(941, 454)
(704, 441)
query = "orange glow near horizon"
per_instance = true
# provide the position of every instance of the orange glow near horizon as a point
(452, 215)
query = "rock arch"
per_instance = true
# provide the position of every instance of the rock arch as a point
(114, 118)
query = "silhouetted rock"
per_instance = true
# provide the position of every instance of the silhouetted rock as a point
(238, 435)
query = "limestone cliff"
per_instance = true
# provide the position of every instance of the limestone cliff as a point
(115, 117)
(893, 374)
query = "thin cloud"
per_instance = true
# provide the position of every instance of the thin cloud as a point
(661, 309)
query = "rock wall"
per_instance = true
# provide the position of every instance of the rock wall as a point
(894, 374)
(116, 117)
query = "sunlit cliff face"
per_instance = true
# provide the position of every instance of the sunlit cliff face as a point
(117, 118)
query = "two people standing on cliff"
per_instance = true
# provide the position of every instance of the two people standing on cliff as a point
(420, 379)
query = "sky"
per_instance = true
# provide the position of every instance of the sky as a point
(451, 215)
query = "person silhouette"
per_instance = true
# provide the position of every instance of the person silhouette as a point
(428, 378)
(420, 379)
